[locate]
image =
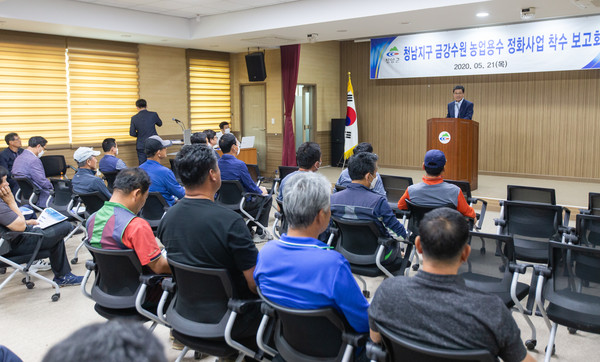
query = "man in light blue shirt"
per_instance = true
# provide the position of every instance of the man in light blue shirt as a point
(85, 180)
(162, 179)
(345, 180)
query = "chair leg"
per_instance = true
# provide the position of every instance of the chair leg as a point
(75, 258)
(240, 357)
(79, 225)
(550, 347)
(365, 292)
(182, 354)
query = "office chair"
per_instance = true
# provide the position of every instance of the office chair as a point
(92, 202)
(498, 273)
(570, 286)
(317, 335)
(10, 238)
(395, 186)
(465, 187)
(361, 243)
(110, 177)
(587, 231)
(203, 311)
(63, 200)
(283, 172)
(28, 193)
(255, 174)
(531, 194)
(55, 166)
(339, 188)
(117, 289)
(154, 209)
(233, 196)
(401, 349)
(280, 225)
(593, 204)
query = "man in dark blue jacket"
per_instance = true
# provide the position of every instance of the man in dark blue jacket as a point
(460, 107)
(142, 127)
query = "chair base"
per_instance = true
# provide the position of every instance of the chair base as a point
(213, 347)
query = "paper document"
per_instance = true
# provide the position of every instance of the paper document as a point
(49, 217)
(247, 142)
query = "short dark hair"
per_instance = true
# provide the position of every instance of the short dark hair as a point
(210, 134)
(198, 137)
(141, 103)
(444, 233)
(361, 164)
(3, 171)
(307, 154)
(129, 179)
(37, 141)
(194, 162)
(115, 340)
(434, 171)
(223, 124)
(226, 142)
(108, 143)
(10, 136)
(459, 87)
(363, 147)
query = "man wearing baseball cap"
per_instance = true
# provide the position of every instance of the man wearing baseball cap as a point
(433, 191)
(162, 179)
(85, 180)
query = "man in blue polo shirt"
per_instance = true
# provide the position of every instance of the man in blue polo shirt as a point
(299, 271)
(110, 162)
(162, 179)
(236, 170)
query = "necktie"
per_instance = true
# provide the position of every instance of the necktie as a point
(456, 109)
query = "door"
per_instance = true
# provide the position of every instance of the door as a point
(254, 120)
(304, 113)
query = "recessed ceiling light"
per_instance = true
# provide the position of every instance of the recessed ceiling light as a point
(405, 22)
(342, 31)
(482, 14)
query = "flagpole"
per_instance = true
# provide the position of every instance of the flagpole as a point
(344, 163)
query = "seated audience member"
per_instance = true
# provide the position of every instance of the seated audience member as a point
(110, 162)
(162, 179)
(433, 191)
(224, 129)
(198, 137)
(28, 164)
(298, 271)
(12, 219)
(435, 307)
(359, 202)
(6, 355)
(198, 232)
(115, 340)
(8, 156)
(345, 180)
(308, 158)
(236, 170)
(85, 180)
(212, 140)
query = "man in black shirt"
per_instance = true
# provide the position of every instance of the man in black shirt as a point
(142, 127)
(198, 232)
(7, 158)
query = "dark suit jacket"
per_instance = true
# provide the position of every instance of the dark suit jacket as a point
(465, 111)
(142, 126)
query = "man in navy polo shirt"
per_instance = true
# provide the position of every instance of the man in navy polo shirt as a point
(110, 162)
(299, 271)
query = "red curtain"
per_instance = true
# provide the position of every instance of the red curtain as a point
(290, 61)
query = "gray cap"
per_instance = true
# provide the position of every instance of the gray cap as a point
(154, 144)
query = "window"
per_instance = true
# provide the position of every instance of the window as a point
(210, 90)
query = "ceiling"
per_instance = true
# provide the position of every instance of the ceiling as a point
(237, 25)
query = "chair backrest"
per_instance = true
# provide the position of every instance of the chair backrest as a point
(230, 193)
(308, 335)
(117, 277)
(400, 349)
(464, 186)
(487, 267)
(174, 168)
(62, 195)
(27, 188)
(594, 203)
(155, 207)
(339, 187)
(530, 220)
(54, 165)
(254, 172)
(531, 194)
(395, 186)
(93, 201)
(199, 307)
(588, 230)
(286, 170)
(110, 179)
(417, 212)
(575, 281)
(283, 227)
(357, 240)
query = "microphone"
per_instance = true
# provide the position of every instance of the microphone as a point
(176, 120)
(180, 123)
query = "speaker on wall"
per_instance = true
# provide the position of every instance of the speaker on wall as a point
(338, 127)
(255, 63)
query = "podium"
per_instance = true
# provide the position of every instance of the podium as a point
(459, 140)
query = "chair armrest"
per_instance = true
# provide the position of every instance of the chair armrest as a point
(567, 216)
(90, 265)
(72, 168)
(543, 270)
(168, 285)
(402, 213)
(375, 352)
(519, 268)
(152, 280)
(267, 309)
(355, 339)
(260, 178)
(241, 306)
(385, 241)
(585, 211)
(499, 222)
(244, 194)
(570, 236)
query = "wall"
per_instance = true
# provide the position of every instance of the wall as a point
(319, 65)
(532, 123)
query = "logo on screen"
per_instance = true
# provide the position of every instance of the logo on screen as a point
(444, 137)
(393, 52)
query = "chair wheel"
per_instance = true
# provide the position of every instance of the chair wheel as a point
(553, 349)
(55, 297)
(30, 285)
(482, 251)
(2, 270)
(530, 344)
(415, 267)
(74, 260)
(24, 280)
(366, 293)
(572, 330)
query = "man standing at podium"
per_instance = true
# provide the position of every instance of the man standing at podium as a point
(142, 127)
(460, 108)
